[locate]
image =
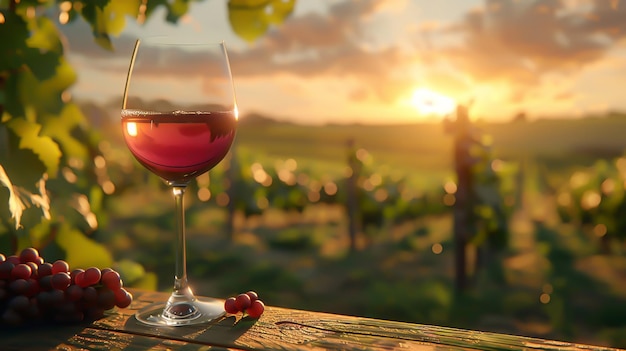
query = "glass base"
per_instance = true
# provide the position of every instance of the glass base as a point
(181, 313)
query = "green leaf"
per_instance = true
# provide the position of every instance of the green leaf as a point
(250, 19)
(14, 32)
(147, 282)
(43, 65)
(44, 147)
(109, 18)
(45, 48)
(13, 103)
(44, 35)
(176, 10)
(45, 95)
(16, 206)
(22, 165)
(93, 13)
(82, 251)
(130, 271)
(60, 129)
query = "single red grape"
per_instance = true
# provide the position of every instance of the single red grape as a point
(74, 292)
(2, 258)
(92, 276)
(256, 309)
(79, 279)
(74, 273)
(19, 303)
(106, 298)
(60, 266)
(230, 305)
(14, 259)
(122, 298)
(56, 297)
(61, 281)
(6, 268)
(29, 255)
(21, 271)
(33, 287)
(242, 301)
(19, 286)
(90, 294)
(34, 269)
(45, 283)
(112, 280)
(44, 269)
(253, 295)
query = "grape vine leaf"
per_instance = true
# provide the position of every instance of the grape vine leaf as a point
(44, 147)
(93, 13)
(43, 65)
(14, 33)
(16, 206)
(60, 129)
(176, 10)
(45, 95)
(44, 48)
(44, 35)
(250, 19)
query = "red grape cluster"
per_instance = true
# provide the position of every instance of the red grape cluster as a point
(246, 303)
(32, 290)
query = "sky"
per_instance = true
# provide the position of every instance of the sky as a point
(398, 61)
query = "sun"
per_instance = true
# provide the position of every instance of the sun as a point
(431, 103)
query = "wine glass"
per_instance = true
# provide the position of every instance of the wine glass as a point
(179, 118)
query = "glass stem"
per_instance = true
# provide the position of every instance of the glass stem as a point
(181, 286)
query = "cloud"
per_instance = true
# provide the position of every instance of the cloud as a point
(331, 45)
(520, 41)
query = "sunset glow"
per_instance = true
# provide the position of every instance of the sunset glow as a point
(431, 103)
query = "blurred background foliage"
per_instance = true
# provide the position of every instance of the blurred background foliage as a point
(546, 257)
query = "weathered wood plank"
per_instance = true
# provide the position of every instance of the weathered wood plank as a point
(277, 329)
(287, 329)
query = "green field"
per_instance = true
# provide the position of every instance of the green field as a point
(420, 145)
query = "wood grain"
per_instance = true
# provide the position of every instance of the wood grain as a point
(277, 329)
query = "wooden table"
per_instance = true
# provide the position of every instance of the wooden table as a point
(277, 329)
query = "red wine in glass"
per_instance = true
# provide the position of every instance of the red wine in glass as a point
(178, 145)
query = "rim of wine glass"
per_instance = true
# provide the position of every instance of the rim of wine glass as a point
(179, 40)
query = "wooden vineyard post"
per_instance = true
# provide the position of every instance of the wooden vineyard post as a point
(464, 204)
(352, 202)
